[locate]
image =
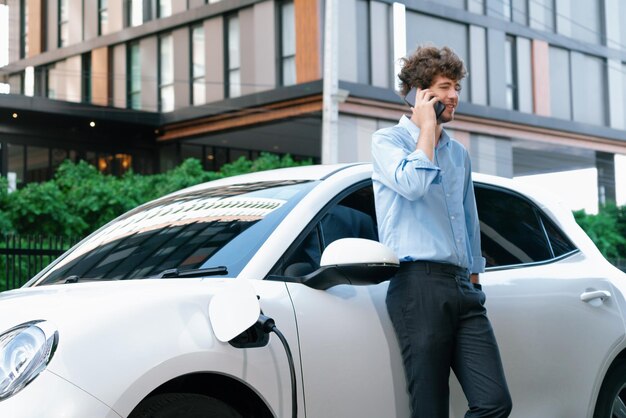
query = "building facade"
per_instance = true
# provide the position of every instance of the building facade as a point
(148, 83)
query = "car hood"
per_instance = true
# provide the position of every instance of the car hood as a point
(104, 301)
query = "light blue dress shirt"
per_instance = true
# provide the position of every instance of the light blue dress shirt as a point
(426, 211)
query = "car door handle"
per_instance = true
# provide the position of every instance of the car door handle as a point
(595, 294)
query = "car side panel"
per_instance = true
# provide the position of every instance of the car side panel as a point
(351, 361)
(553, 345)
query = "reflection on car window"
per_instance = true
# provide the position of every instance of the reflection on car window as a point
(559, 242)
(510, 229)
(218, 226)
(353, 217)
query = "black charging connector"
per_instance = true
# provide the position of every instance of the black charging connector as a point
(268, 325)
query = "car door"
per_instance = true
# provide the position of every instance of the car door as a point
(552, 344)
(351, 364)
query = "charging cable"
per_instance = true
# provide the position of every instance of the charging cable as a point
(267, 325)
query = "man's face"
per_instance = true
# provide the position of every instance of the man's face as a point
(447, 90)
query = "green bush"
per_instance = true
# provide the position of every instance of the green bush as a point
(607, 229)
(79, 198)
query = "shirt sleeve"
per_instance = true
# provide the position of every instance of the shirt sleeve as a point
(408, 174)
(476, 260)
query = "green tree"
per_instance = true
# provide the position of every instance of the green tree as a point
(607, 229)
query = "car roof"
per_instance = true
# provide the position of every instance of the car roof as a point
(327, 171)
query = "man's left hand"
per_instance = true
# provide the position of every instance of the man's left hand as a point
(474, 278)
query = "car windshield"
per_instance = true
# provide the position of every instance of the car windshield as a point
(221, 226)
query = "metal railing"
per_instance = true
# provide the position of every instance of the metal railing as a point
(21, 257)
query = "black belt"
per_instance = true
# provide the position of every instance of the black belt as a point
(430, 266)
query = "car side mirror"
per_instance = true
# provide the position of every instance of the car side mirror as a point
(354, 261)
(234, 309)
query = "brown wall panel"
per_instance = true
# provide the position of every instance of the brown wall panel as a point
(100, 76)
(35, 27)
(541, 77)
(308, 39)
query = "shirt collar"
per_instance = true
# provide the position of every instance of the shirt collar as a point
(415, 131)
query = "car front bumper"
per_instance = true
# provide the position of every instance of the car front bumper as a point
(51, 396)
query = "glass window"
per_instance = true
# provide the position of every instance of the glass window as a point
(58, 156)
(191, 151)
(514, 11)
(233, 85)
(542, 14)
(166, 74)
(220, 226)
(134, 76)
(64, 26)
(288, 43)
(589, 97)
(363, 41)
(510, 229)
(135, 12)
(23, 29)
(16, 162)
(559, 243)
(198, 83)
(103, 17)
(37, 164)
(420, 29)
(86, 77)
(624, 85)
(353, 217)
(165, 8)
(510, 65)
(580, 20)
(560, 84)
(622, 24)
(460, 4)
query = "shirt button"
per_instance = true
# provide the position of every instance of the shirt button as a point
(458, 240)
(447, 194)
(452, 217)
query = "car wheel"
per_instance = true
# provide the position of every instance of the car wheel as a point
(612, 398)
(188, 405)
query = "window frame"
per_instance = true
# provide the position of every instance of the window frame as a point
(513, 85)
(130, 94)
(23, 29)
(315, 223)
(61, 43)
(228, 70)
(280, 56)
(103, 11)
(538, 215)
(194, 78)
(161, 85)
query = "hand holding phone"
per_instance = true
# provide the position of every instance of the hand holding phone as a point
(410, 100)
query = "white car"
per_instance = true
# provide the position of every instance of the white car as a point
(154, 314)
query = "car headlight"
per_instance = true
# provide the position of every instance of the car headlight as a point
(25, 351)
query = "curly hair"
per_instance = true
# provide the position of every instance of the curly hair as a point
(427, 62)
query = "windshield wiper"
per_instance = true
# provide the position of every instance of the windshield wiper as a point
(211, 271)
(74, 279)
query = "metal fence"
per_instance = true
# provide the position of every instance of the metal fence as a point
(21, 257)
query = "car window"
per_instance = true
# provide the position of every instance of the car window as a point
(513, 232)
(558, 241)
(351, 216)
(510, 229)
(222, 226)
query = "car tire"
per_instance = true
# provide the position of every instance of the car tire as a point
(612, 397)
(188, 405)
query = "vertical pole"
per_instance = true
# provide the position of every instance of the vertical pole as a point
(330, 116)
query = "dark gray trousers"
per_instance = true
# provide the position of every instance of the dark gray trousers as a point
(441, 324)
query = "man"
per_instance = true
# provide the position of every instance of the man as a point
(427, 214)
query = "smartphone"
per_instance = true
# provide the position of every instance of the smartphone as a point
(410, 100)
